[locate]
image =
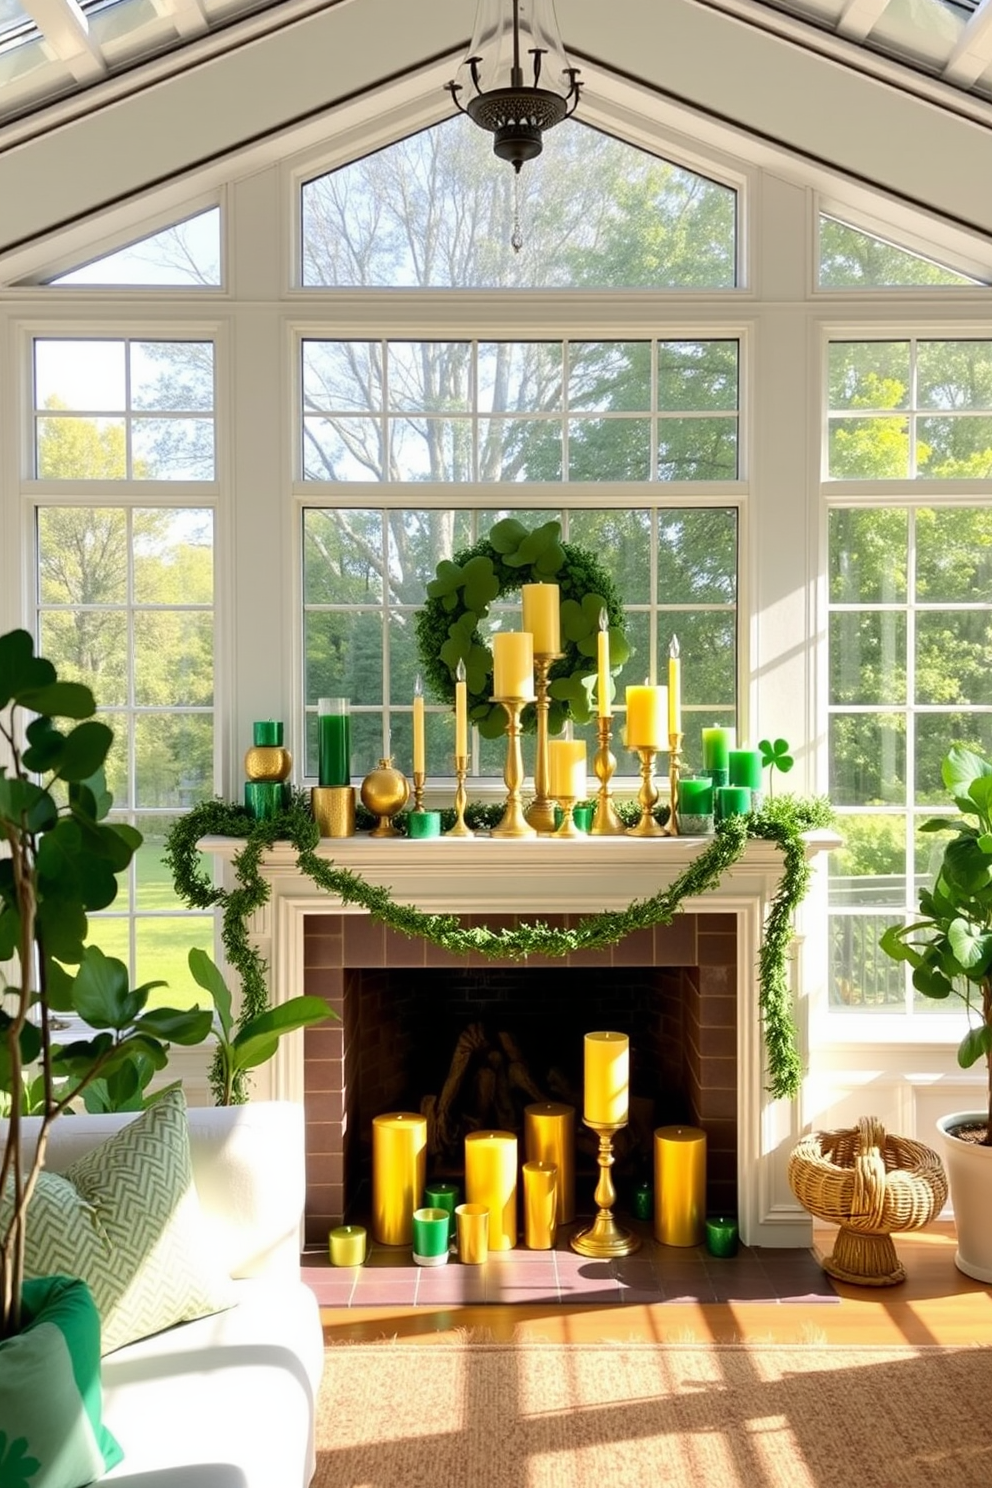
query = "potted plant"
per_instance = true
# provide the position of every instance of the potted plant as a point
(950, 951)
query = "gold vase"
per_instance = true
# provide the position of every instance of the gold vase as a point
(268, 762)
(385, 791)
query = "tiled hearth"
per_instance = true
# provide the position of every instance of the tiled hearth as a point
(654, 1274)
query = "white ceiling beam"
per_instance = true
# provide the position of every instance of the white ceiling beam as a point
(188, 16)
(859, 17)
(66, 30)
(973, 52)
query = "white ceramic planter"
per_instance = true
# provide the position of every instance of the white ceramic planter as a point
(969, 1173)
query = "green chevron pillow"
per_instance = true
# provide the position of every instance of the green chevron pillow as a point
(125, 1217)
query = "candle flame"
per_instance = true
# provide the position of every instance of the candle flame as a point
(673, 649)
(418, 686)
(460, 672)
(604, 619)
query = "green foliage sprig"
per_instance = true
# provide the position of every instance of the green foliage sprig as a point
(782, 822)
(458, 602)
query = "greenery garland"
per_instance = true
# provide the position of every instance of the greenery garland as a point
(458, 601)
(783, 821)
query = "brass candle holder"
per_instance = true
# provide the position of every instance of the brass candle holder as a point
(671, 827)
(419, 781)
(605, 1238)
(647, 796)
(461, 797)
(606, 821)
(513, 823)
(541, 811)
(568, 827)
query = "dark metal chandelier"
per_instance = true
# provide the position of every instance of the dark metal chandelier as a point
(517, 114)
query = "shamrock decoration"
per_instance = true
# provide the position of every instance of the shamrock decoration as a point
(775, 756)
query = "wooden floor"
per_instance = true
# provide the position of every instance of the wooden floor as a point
(936, 1304)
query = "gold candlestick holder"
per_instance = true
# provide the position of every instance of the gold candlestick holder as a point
(461, 797)
(605, 1238)
(513, 823)
(647, 796)
(541, 811)
(568, 827)
(671, 827)
(419, 781)
(606, 821)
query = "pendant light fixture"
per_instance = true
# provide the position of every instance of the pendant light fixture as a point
(515, 112)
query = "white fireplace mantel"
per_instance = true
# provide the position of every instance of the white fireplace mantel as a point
(544, 876)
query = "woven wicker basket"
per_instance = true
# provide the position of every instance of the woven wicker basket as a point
(873, 1186)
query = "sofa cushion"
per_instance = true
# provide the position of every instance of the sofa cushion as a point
(51, 1433)
(126, 1218)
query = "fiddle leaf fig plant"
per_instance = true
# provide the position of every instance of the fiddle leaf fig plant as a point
(950, 946)
(60, 862)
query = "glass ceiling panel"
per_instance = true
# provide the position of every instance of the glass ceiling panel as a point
(13, 20)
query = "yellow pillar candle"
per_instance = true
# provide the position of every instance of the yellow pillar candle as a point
(513, 664)
(346, 1245)
(679, 1185)
(491, 1179)
(674, 687)
(567, 769)
(399, 1169)
(647, 717)
(461, 711)
(607, 1078)
(540, 1205)
(418, 726)
(605, 706)
(541, 612)
(549, 1137)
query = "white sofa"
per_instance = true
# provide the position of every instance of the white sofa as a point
(226, 1401)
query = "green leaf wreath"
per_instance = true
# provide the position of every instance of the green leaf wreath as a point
(783, 821)
(459, 597)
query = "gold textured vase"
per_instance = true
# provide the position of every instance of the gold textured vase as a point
(268, 762)
(385, 791)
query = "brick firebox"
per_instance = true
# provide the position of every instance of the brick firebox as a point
(682, 977)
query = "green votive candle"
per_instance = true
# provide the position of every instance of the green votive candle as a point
(431, 1231)
(334, 741)
(441, 1196)
(423, 824)
(267, 733)
(732, 800)
(717, 744)
(696, 795)
(721, 1236)
(745, 768)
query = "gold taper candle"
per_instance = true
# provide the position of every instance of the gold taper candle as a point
(607, 1065)
(399, 1169)
(419, 766)
(540, 1205)
(603, 701)
(679, 1185)
(549, 1136)
(674, 687)
(461, 711)
(491, 1179)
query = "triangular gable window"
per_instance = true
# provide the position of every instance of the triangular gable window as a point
(436, 211)
(853, 259)
(185, 254)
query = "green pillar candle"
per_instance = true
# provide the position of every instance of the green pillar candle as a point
(267, 733)
(334, 741)
(717, 744)
(266, 798)
(732, 800)
(745, 768)
(696, 795)
(441, 1196)
(721, 1236)
(423, 824)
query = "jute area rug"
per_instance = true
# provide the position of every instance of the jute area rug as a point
(456, 1414)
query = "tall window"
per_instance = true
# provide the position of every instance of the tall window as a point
(910, 633)
(125, 598)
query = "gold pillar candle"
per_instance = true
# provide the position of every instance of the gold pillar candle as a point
(540, 1205)
(399, 1169)
(491, 1179)
(567, 769)
(679, 1185)
(607, 1079)
(472, 1229)
(513, 665)
(549, 1137)
(541, 604)
(346, 1245)
(647, 717)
